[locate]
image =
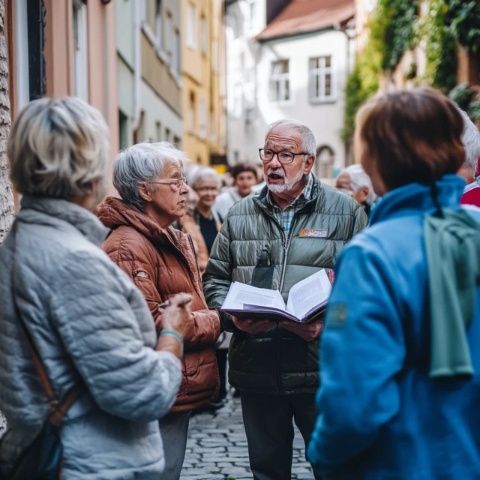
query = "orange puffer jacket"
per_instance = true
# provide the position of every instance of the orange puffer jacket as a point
(161, 262)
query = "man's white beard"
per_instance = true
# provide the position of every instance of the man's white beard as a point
(287, 186)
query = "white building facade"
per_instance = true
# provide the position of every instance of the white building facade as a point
(277, 70)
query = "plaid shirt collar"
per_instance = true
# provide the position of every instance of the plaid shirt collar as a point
(285, 216)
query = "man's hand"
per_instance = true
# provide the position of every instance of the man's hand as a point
(308, 331)
(253, 327)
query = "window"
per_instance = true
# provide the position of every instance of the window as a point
(158, 130)
(159, 24)
(192, 113)
(143, 11)
(211, 127)
(167, 134)
(123, 130)
(214, 55)
(192, 26)
(237, 106)
(202, 116)
(80, 65)
(279, 81)
(170, 37)
(249, 88)
(203, 34)
(325, 161)
(176, 141)
(175, 60)
(321, 81)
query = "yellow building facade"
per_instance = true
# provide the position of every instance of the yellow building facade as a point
(202, 80)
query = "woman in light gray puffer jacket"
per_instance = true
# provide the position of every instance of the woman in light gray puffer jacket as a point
(90, 325)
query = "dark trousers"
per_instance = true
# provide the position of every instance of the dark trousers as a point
(222, 370)
(268, 423)
(174, 431)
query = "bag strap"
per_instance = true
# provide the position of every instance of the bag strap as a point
(58, 409)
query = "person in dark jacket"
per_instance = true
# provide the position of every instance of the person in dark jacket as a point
(161, 261)
(400, 370)
(300, 226)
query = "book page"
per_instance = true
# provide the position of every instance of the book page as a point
(241, 294)
(309, 293)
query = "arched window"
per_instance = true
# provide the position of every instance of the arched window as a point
(325, 161)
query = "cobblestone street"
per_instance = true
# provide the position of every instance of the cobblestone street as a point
(217, 447)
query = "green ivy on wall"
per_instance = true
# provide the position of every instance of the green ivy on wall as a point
(463, 19)
(391, 33)
(468, 99)
(361, 84)
(393, 29)
(440, 45)
(396, 27)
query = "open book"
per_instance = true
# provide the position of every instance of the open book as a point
(307, 299)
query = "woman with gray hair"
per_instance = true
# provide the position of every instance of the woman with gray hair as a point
(206, 184)
(68, 308)
(161, 262)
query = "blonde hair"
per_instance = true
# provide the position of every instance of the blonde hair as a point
(58, 148)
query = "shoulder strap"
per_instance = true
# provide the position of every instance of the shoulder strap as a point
(58, 409)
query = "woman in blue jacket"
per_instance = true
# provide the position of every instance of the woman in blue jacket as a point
(400, 354)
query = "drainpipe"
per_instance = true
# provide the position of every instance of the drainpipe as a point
(349, 37)
(137, 66)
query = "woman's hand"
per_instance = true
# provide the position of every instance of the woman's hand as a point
(177, 319)
(177, 315)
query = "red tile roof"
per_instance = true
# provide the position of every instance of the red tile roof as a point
(301, 16)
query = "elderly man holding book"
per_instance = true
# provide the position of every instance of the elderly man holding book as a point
(294, 228)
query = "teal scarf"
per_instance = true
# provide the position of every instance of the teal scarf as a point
(452, 242)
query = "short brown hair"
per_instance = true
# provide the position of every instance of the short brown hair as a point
(411, 135)
(239, 168)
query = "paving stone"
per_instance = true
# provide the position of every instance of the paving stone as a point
(217, 447)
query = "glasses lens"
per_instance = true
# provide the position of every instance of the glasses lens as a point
(266, 155)
(285, 157)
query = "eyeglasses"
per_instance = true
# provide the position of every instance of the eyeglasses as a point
(174, 182)
(284, 157)
(206, 189)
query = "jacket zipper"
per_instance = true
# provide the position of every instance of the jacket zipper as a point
(286, 247)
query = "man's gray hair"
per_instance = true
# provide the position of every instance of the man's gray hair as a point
(58, 148)
(308, 138)
(203, 172)
(360, 179)
(471, 141)
(141, 163)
